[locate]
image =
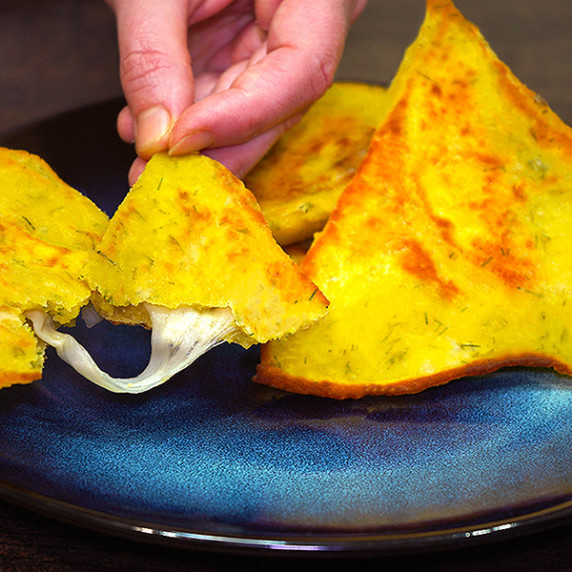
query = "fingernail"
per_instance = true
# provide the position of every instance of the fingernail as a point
(135, 171)
(194, 141)
(152, 131)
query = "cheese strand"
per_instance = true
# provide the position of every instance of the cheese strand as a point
(179, 336)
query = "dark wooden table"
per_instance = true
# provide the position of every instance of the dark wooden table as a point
(57, 55)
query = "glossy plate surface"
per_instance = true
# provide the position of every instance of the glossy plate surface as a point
(212, 460)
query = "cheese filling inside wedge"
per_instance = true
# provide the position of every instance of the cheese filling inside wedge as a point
(179, 336)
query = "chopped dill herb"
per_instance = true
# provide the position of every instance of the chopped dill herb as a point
(106, 257)
(396, 357)
(29, 222)
(539, 167)
(426, 76)
(537, 294)
(483, 264)
(175, 241)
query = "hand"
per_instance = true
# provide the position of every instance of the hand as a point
(225, 77)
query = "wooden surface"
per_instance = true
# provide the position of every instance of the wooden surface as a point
(61, 54)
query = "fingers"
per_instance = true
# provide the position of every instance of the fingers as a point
(155, 70)
(241, 158)
(304, 46)
(136, 169)
(248, 91)
(126, 126)
(356, 9)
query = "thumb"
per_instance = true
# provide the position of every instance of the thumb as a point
(155, 67)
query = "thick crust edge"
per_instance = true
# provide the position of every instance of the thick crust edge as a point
(275, 377)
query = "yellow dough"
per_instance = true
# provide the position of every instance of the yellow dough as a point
(449, 252)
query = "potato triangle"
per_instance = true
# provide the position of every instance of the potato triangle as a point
(449, 252)
(47, 230)
(188, 252)
(298, 182)
(190, 234)
(32, 194)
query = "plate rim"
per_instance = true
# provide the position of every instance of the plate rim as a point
(339, 543)
(550, 515)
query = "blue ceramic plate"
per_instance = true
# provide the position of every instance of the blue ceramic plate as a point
(213, 460)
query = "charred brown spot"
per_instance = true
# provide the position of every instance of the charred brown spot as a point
(190, 208)
(488, 159)
(53, 261)
(446, 227)
(519, 193)
(498, 257)
(436, 90)
(418, 262)
(394, 123)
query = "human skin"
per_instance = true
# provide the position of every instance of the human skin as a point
(224, 77)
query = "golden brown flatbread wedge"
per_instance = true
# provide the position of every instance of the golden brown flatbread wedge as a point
(300, 179)
(189, 253)
(47, 230)
(48, 208)
(38, 275)
(449, 252)
(189, 233)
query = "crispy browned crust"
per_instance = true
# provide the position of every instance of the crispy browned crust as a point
(8, 378)
(407, 211)
(275, 377)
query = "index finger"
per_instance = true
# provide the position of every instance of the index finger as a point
(305, 44)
